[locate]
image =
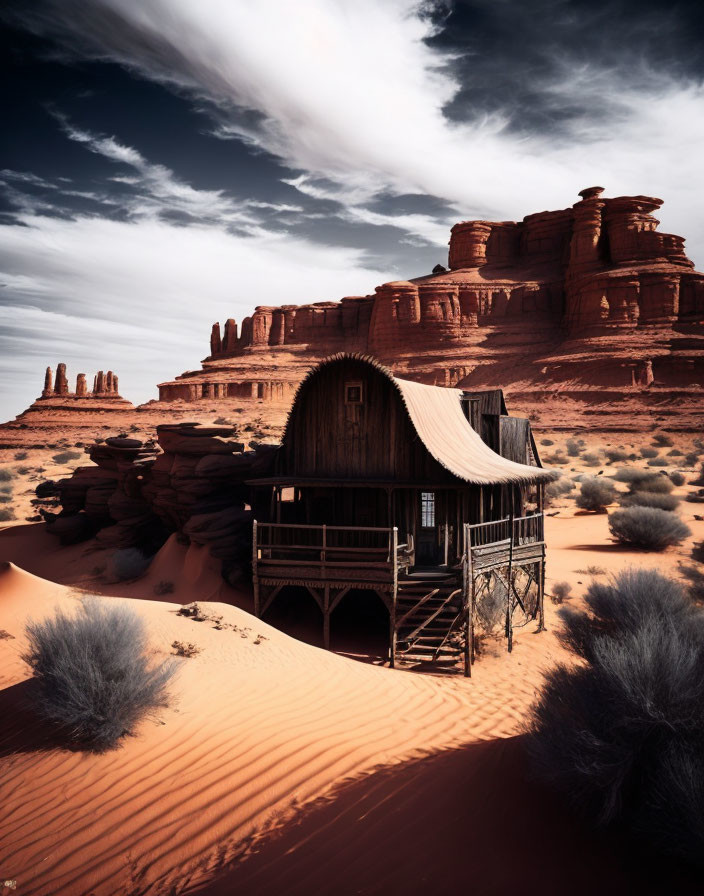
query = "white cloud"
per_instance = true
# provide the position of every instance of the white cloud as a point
(139, 297)
(347, 90)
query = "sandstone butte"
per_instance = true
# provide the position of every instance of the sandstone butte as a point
(584, 316)
(586, 304)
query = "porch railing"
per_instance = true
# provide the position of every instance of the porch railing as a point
(291, 545)
(522, 529)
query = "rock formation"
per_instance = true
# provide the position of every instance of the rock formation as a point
(590, 295)
(192, 482)
(103, 386)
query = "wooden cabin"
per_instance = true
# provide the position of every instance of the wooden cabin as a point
(420, 493)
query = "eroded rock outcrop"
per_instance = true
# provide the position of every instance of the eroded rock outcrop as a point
(191, 481)
(589, 295)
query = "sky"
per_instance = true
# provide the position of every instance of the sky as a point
(168, 163)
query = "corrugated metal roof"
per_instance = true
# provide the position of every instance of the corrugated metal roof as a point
(437, 416)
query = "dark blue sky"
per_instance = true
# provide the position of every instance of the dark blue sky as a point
(168, 163)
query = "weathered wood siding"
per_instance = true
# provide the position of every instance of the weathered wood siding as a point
(329, 438)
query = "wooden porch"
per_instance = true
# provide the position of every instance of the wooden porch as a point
(431, 609)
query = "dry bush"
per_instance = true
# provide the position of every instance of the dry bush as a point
(21, 455)
(164, 587)
(125, 564)
(592, 459)
(662, 440)
(648, 527)
(658, 462)
(63, 457)
(690, 459)
(695, 581)
(490, 609)
(622, 734)
(616, 455)
(558, 489)
(677, 478)
(7, 515)
(695, 497)
(557, 458)
(596, 494)
(650, 499)
(649, 481)
(592, 571)
(96, 677)
(700, 478)
(675, 453)
(7, 474)
(560, 592)
(649, 452)
(546, 442)
(573, 448)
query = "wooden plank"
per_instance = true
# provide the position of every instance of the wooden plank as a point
(394, 596)
(255, 571)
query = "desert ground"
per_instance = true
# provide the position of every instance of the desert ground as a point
(280, 766)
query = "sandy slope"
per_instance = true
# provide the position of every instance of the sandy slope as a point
(261, 725)
(256, 729)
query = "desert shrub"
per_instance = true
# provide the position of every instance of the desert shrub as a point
(546, 442)
(695, 581)
(164, 587)
(560, 592)
(21, 455)
(127, 563)
(677, 478)
(630, 474)
(573, 447)
(700, 478)
(596, 494)
(5, 499)
(658, 462)
(591, 459)
(23, 470)
(557, 458)
(490, 608)
(96, 677)
(622, 735)
(695, 497)
(63, 457)
(662, 440)
(650, 499)
(616, 455)
(592, 571)
(675, 453)
(649, 481)
(558, 488)
(691, 458)
(7, 514)
(648, 527)
(7, 474)
(649, 452)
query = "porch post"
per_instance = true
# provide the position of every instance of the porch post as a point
(394, 595)
(509, 601)
(326, 617)
(255, 575)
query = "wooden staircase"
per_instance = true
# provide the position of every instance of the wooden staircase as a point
(429, 621)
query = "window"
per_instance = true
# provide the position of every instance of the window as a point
(427, 510)
(353, 393)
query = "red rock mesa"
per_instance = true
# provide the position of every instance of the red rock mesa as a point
(589, 296)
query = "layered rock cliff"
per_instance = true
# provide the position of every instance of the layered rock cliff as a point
(589, 296)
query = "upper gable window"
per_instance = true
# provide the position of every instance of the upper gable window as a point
(353, 392)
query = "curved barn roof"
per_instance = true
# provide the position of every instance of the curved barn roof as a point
(437, 417)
